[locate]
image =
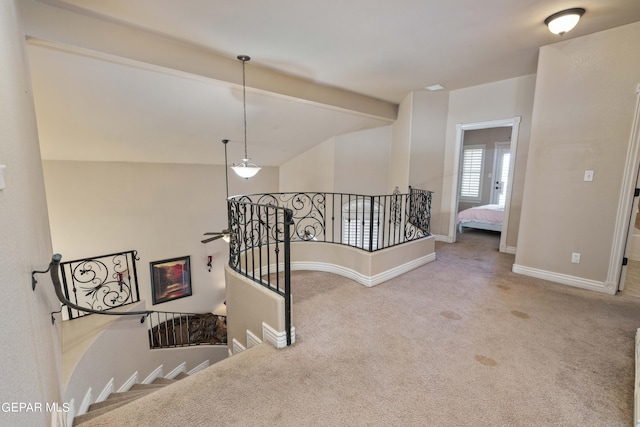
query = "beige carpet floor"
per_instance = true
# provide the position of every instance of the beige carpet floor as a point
(461, 341)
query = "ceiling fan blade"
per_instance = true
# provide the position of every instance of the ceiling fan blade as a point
(211, 239)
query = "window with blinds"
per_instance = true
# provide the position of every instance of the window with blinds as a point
(471, 174)
(356, 224)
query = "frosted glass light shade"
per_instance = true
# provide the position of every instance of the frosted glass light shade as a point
(566, 20)
(245, 169)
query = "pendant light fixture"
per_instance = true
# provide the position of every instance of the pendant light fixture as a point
(245, 169)
(561, 22)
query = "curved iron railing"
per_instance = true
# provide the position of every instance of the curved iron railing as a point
(172, 329)
(262, 227)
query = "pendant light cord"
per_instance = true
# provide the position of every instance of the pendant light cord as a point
(244, 103)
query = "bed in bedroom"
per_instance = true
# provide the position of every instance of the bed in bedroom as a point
(486, 217)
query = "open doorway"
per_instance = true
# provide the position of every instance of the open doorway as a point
(483, 173)
(626, 238)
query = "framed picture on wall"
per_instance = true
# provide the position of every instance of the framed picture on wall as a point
(170, 279)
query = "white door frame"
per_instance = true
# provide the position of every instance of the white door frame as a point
(623, 230)
(514, 123)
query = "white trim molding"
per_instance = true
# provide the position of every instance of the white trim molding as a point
(237, 347)
(363, 279)
(129, 383)
(509, 250)
(277, 338)
(106, 391)
(86, 401)
(180, 369)
(565, 279)
(625, 203)
(252, 339)
(200, 367)
(514, 123)
(153, 375)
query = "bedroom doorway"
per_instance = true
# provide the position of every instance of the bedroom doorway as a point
(488, 180)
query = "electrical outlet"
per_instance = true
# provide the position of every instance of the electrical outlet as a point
(575, 258)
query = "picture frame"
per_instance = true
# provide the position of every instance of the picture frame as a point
(170, 279)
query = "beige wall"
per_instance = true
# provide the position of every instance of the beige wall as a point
(360, 158)
(401, 147)
(251, 304)
(160, 210)
(31, 347)
(349, 163)
(428, 133)
(313, 170)
(584, 106)
(505, 99)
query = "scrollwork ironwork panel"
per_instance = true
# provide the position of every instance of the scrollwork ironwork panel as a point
(101, 282)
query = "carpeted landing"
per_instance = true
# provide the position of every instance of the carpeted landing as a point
(461, 341)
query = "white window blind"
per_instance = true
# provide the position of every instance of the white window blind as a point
(356, 224)
(471, 176)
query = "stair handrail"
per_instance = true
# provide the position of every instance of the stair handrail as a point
(53, 269)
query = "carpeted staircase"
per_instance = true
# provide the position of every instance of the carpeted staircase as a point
(116, 400)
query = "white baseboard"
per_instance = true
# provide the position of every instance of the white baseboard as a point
(368, 281)
(106, 391)
(277, 338)
(252, 339)
(86, 401)
(509, 250)
(153, 375)
(71, 414)
(180, 369)
(564, 279)
(129, 383)
(237, 347)
(200, 367)
(442, 238)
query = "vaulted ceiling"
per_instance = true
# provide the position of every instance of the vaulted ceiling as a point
(158, 80)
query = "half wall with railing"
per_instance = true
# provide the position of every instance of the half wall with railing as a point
(263, 228)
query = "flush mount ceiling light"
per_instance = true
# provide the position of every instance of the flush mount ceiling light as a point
(561, 22)
(245, 169)
(435, 87)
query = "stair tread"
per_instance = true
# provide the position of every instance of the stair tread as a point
(103, 410)
(118, 398)
(137, 387)
(164, 381)
(180, 376)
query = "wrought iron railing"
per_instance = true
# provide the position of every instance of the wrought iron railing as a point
(262, 227)
(185, 329)
(171, 329)
(100, 283)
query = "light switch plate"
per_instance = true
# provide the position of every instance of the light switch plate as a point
(588, 175)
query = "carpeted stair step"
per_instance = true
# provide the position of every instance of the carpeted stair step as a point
(163, 381)
(119, 397)
(103, 410)
(115, 400)
(138, 387)
(180, 376)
